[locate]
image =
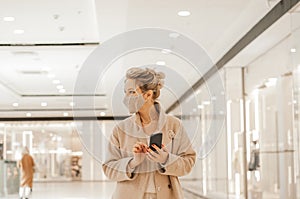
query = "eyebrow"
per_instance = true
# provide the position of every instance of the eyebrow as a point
(129, 89)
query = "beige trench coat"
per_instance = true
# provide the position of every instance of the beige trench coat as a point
(27, 169)
(133, 185)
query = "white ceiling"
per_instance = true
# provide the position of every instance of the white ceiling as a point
(64, 21)
(269, 55)
(215, 25)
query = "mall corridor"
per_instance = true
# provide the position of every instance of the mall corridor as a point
(138, 99)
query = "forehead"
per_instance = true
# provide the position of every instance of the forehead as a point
(130, 84)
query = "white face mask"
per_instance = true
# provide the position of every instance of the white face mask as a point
(134, 103)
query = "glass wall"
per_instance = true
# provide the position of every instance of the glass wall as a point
(295, 45)
(62, 150)
(271, 138)
(257, 154)
(235, 132)
(206, 128)
(50, 143)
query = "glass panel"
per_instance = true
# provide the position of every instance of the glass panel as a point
(295, 45)
(270, 153)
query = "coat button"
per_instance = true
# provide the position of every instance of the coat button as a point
(158, 188)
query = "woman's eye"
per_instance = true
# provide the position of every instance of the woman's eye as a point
(131, 92)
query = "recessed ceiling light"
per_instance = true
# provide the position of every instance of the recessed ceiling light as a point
(51, 75)
(56, 16)
(19, 31)
(8, 18)
(77, 67)
(174, 35)
(61, 28)
(166, 51)
(66, 114)
(102, 114)
(59, 86)
(161, 63)
(62, 91)
(55, 81)
(15, 104)
(44, 104)
(184, 13)
(72, 104)
(28, 114)
(293, 50)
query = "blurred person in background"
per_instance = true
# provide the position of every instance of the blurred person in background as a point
(26, 166)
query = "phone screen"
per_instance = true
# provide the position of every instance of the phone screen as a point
(155, 139)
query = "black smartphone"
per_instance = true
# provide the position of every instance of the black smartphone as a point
(155, 139)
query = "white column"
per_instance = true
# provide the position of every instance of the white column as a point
(285, 142)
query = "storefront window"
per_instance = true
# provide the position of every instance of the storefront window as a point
(295, 23)
(62, 150)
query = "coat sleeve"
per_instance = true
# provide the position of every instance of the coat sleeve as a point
(182, 157)
(115, 166)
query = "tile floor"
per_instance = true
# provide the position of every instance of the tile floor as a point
(71, 190)
(102, 190)
(75, 190)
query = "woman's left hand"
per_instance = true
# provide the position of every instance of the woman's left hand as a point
(160, 155)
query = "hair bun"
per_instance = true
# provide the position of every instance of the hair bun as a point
(158, 77)
(147, 79)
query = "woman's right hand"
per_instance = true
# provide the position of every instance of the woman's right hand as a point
(139, 151)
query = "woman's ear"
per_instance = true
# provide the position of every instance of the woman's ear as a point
(149, 94)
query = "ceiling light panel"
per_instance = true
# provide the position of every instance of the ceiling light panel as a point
(65, 25)
(19, 64)
(8, 19)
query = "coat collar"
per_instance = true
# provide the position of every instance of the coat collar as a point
(135, 121)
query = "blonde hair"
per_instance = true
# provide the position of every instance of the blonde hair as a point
(147, 79)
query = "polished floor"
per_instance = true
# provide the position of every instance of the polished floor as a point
(76, 190)
(104, 190)
(71, 190)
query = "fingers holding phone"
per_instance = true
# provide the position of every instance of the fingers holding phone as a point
(160, 155)
(139, 147)
(139, 154)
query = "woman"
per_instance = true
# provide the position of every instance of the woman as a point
(27, 169)
(140, 172)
